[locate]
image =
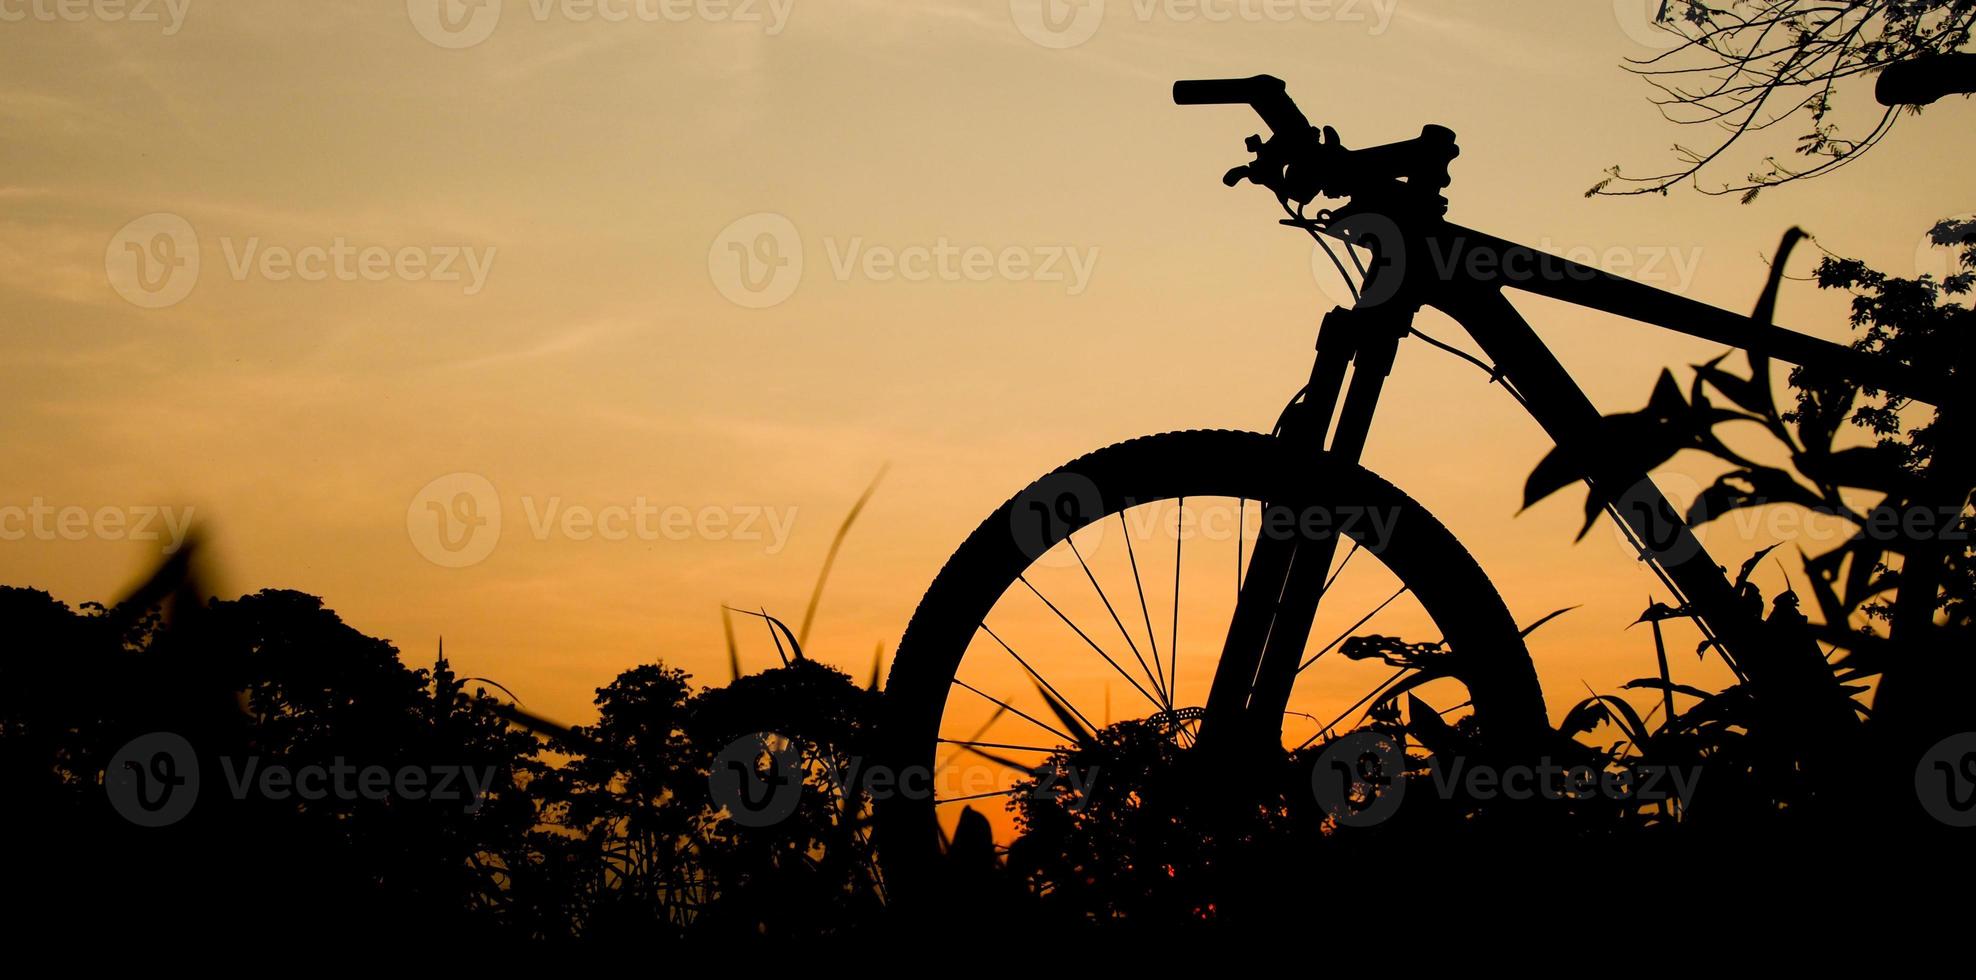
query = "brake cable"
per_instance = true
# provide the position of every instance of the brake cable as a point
(1298, 219)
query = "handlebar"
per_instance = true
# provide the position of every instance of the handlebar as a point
(1266, 94)
(1300, 161)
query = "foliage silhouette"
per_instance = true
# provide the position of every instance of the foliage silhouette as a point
(1744, 66)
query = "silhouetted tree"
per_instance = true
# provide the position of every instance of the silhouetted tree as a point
(1742, 67)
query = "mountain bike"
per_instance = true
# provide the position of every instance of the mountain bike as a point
(1304, 478)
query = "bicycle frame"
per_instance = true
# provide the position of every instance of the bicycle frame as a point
(1464, 278)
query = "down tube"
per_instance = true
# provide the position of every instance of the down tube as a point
(1560, 406)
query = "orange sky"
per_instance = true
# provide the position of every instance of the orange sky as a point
(514, 263)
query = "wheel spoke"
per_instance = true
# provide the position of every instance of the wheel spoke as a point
(1388, 682)
(994, 745)
(978, 796)
(1173, 641)
(1138, 584)
(1340, 570)
(1044, 681)
(978, 732)
(1122, 672)
(1120, 623)
(1342, 637)
(1241, 524)
(1018, 712)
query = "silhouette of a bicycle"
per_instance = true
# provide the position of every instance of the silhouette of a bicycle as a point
(991, 611)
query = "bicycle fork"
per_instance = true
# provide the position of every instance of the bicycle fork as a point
(1285, 579)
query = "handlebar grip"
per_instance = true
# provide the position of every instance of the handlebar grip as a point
(1264, 93)
(1221, 91)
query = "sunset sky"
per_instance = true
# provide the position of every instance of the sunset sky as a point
(441, 256)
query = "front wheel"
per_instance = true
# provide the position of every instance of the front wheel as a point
(1102, 592)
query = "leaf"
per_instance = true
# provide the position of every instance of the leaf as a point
(1647, 438)
(1823, 572)
(1749, 566)
(1743, 392)
(793, 651)
(1766, 314)
(1818, 423)
(830, 557)
(1666, 401)
(1631, 721)
(1760, 486)
(1584, 716)
(1656, 684)
(1532, 628)
(1072, 725)
(1622, 714)
(1861, 583)
(877, 670)
(1594, 506)
(1000, 760)
(1426, 724)
(1658, 611)
(1553, 473)
(1875, 467)
(733, 650)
